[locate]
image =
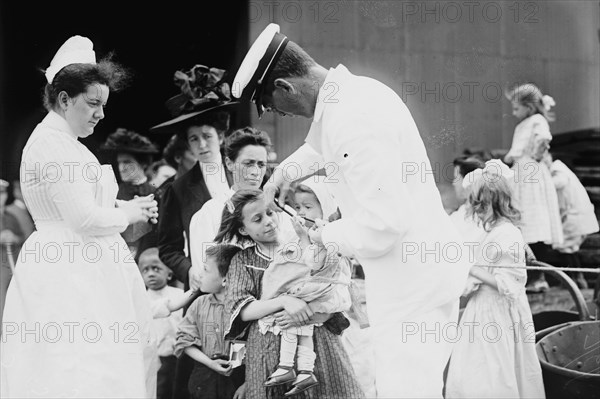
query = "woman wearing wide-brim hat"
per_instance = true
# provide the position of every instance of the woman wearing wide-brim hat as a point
(201, 115)
(133, 154)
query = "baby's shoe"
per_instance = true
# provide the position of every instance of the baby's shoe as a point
(279, 377)
(302, 383)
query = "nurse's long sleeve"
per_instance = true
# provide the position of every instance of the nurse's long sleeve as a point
(69, 172)
(370, 166)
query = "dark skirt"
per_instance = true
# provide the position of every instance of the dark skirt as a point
(333, 369)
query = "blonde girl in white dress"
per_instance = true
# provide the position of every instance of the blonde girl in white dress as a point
(534, 192)
(494, 355)
(77, 317)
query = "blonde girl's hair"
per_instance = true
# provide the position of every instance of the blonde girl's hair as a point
(490, 202)
(529, 95)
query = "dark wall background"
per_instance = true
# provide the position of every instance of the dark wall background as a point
(153, 40)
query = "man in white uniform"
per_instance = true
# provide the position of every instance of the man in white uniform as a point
(392, 221)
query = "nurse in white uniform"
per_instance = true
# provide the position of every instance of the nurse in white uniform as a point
(77, 317)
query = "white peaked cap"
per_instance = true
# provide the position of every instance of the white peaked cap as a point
(257, 65)
(76, 50)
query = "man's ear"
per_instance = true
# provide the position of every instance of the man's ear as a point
(284, 85)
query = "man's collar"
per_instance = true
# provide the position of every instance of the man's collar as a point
(328, 91)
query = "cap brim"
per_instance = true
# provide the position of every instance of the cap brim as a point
(170, 123)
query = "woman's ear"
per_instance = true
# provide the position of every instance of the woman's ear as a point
(224, 282)
(229, 164)
(63, 100)
(243, 231)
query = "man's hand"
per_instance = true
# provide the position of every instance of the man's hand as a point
(276, 184)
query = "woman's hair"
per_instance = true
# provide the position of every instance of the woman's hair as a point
(74, 79)
(244, 137)
(176, 147)
(467, 164)
(529, 95)
(153, 168)
(124, 141)
(490, 200)
(219, 119)
(222, 254)
(145, 160)
(232, 219)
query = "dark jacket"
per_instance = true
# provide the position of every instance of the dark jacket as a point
(180, 201)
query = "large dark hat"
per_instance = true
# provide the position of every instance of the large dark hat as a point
(250, 79)
(123, 140)
(203, 90)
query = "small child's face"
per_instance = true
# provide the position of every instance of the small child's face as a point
(155, 273)
(260, 222)
(520, 111)
(210, 280)
(307, 205)
(457, 183)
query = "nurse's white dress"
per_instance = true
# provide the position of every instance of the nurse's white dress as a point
(77, 317)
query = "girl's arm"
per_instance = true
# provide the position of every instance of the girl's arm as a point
(485, 276)
(298, 309)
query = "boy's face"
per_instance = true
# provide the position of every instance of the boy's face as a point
(307, 206)
(155, 273)
(211, 281)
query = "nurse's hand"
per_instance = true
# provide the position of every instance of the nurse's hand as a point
(277, 187)
(298, 310)
(150, 206)
(139, 210)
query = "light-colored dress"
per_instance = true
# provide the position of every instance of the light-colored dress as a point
(495, 356)
(77, 317)
(576, 209)
(319, 277)
(534, 191)
(165, 322)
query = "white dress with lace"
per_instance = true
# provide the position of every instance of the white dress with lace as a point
(494, 355)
